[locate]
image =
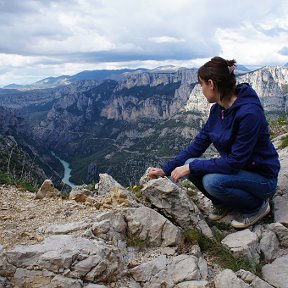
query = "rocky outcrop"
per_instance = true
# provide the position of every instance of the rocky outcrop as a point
(281, 199)
(242, 243)
(276, 272)
(47, 190)
(175, 204)
(121, 241)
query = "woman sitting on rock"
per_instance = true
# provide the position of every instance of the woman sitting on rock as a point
(245, 174)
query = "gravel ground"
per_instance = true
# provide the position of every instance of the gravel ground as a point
(21, 215)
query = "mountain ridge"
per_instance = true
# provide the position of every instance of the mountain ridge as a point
(103, 74)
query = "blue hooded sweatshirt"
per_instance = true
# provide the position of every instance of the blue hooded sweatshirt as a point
(240, 135)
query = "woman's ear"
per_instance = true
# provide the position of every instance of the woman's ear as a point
(211, 84)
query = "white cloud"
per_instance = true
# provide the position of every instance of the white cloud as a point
(42, 38)
(166, 39)
(255, 44)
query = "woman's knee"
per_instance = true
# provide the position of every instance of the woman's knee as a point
(212, 182)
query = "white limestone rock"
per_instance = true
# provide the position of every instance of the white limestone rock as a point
(171, 272)
(80, 193)
(280, 204)
(64, 228)
(194, 284)
(90, 285)
(174, 203)
(243, 243)
(283, 173)
(228, 279)
(152, 227)
(144, 223)
(110, 226)
(64, 282)
(269, 245)
(253, 280)
(90, 260)
(276, 272)
(108, 185)
(281, 231)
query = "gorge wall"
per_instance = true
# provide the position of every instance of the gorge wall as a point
(122, 127)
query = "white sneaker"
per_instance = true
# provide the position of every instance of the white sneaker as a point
(246, 220)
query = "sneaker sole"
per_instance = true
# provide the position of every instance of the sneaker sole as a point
(241, 225)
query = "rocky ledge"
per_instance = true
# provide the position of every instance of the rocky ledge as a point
(109, 236)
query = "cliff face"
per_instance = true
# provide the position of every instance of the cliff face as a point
(21, 159)
(127, 125)
(270, 83)
(118, 122)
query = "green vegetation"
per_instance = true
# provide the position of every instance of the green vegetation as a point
(6, 179)
(284, 142)
(27, 186)
(278, 126)
(134, 240)
(136, 190)
(281, 120)
(219, 253)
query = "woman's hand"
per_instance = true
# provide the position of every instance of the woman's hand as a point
(156, 172)
(180, 172)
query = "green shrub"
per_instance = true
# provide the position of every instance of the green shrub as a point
(136, 190)
(284, 142)
(5, 178)
(134, 240)
(281, 120)
(218, 252)
(27, 186)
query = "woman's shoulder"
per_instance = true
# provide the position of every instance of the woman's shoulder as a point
(248, 108)
(251, 112)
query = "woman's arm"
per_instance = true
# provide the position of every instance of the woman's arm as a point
(195, 149)
(250, 127)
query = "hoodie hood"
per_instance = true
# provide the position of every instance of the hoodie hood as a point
(245, 95)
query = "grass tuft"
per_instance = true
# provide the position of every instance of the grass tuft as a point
(284, 142)
(6, 179)
(221, 255)
(134, 240)
(136, 190)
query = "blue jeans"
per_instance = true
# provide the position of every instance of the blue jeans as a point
(244, 191)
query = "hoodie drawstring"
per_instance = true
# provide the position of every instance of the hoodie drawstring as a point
(222, 114)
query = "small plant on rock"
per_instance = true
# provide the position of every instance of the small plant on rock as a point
(136, 190)
(218, 252)
(134, 240)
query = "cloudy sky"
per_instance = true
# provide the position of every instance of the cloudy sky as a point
(41, 38)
